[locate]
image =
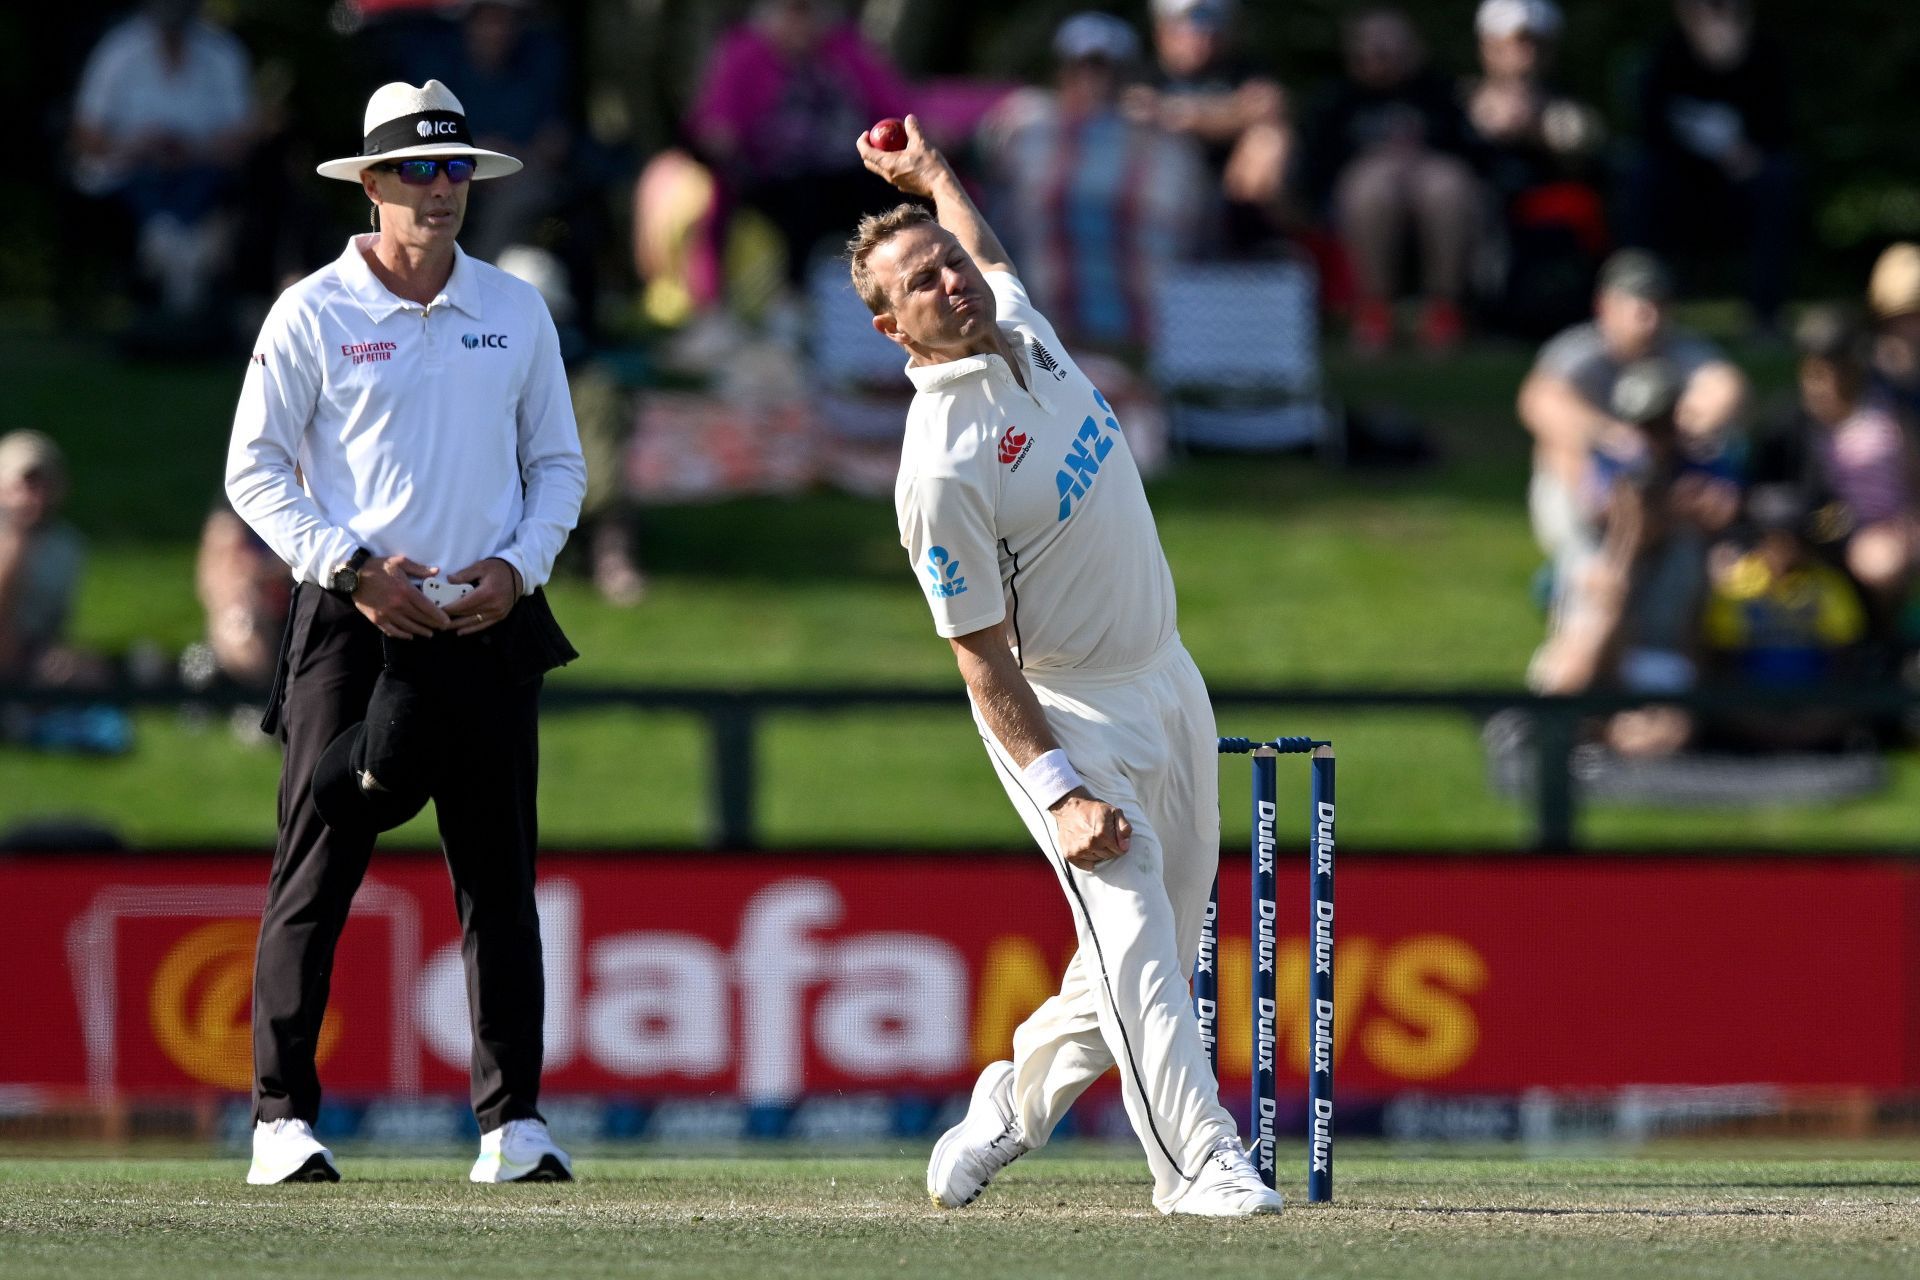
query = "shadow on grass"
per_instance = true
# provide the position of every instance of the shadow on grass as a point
(1545, 1211)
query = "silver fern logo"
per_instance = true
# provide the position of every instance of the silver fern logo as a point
(1044, 358)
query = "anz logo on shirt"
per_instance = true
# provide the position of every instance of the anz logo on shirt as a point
(1081, 467)
(945, 572)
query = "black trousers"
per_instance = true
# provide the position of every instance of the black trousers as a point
(485, 808)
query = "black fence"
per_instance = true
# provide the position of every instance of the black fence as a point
(733, 718)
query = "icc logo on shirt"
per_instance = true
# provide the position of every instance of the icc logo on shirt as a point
(471, 341)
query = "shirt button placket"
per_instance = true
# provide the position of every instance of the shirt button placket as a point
(429, 347)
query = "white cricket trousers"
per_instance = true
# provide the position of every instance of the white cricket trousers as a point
(1144, 741)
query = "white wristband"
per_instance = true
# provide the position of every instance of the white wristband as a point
(1049, 777)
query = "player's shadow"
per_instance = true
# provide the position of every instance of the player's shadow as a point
(1619, 1211)
(1644, 1184)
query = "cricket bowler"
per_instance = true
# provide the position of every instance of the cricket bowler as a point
(1029, 530)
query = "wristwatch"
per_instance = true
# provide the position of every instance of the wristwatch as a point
(345, 578)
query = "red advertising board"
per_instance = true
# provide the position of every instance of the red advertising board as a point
(771, 976)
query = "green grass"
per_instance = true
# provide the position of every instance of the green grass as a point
(1708, 1213)
(1289, 574)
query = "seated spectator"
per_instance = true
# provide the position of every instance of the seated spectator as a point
(1863, 460)
(41, 558)
(1238, 115)
(1628, 619)
(244, 588)
(1779, 617)
(1386, 152)
(1565, 402)
(1093, 203)
(1715, 162)
(606, 417)
(1893, 292)
(780, 103)
(514, 72)
(162, 119)
(1539, 150)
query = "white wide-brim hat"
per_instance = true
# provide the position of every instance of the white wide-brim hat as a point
(404, 121)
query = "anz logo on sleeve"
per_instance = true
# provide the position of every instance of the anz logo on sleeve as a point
(945, 572)
(1081, 467)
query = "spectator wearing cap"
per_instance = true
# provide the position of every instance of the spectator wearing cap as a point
(405, 443)
(1566, 403)
(162, 120)
(41, 561)
(778, 100)
(1627, 616)
(1539, 149)
(1387, 152)
(1715, 164)
(1094, 203)
(1893, 293)
(1201, 87)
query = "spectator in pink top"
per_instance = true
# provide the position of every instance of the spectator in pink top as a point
(780, 102)
(1862, 455)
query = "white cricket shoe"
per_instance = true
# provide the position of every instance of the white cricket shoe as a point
(521, 1151)
(1228, 1186)
(986, 1141)
(287, 1151)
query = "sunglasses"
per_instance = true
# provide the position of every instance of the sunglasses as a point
(421, 173)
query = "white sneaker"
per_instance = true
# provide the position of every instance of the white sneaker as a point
(968, 1155)
(521, 1151)
(1228, 1186)
(287, 1151)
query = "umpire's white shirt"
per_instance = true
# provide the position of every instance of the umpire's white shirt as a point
(441, 432)
(1026, 506)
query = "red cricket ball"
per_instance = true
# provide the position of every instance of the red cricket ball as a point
(889, 135)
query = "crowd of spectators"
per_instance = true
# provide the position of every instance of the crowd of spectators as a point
(1463, 198)
(1687, 539)
(1693, 541)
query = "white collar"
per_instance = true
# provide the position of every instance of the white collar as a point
(462, 290)
(930, 377)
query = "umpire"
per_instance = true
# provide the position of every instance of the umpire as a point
(405, 442)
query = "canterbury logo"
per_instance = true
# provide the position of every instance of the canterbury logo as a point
(1013, 446)
(1044, 358)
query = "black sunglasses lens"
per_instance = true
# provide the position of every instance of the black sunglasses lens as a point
(420, 173)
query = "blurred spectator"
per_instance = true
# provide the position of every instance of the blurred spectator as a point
(244, 588)
(162, 119)
(1091, 202)
(1386, 152)
(1862, 459)
(1894, 294)
(780, 103)
(606, 417)
(41, 558)
(1778, 617)
(1566, 401)
(515, 72)
(1539, 150)
(1715, 114)
(1238, 115)
(1628, 619)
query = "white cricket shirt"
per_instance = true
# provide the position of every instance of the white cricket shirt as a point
(444, 432)
(1025, 506)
